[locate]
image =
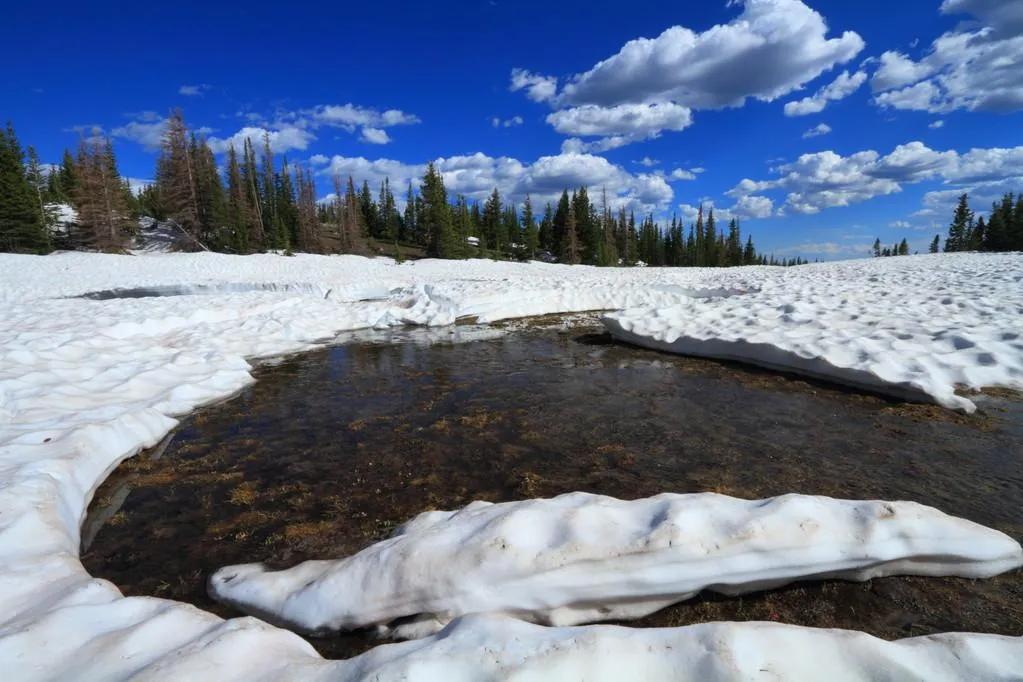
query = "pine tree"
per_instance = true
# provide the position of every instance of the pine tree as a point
(936, 244)
(877, 248)
(530, 233)
(38, 183)
(239, 212)
(903, 248)
(308, 222)
(961, 227)
(749, 254)
(209, 192)
(570, 247)
(21, 223)
(175, 178)
(253, 198)
(411, 231)
(436, 216)
(491, 227)
(104, 218)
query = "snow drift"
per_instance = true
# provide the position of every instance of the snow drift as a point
(580, 558)
(86, 383)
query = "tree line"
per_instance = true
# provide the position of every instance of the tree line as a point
(261, 203)
(1002, 231)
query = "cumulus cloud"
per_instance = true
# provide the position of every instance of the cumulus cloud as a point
(977, 67)
(936, 124)
(771, 49)
(647, 162)
(840, 88)
(752, 206)
(622, 123)
(291, 130)
(193, 90)
(374, 136)
(652, 84)
(538, 88)
(817, 131)
(476, 175)
(825, 179)
(682, 174)
(349, 117)
(282, 140)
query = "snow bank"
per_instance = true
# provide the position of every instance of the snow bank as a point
(478, 648)
(86, 383)
(915, 331)
(580, 558)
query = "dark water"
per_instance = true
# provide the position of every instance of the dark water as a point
(330, 450)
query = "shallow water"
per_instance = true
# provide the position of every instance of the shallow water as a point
(331, 449)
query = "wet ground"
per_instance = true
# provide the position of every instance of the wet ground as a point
(330, 450)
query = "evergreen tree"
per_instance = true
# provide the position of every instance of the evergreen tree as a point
(491, 227)
(38, 183)
(877, 248)
(411, 231)
(959, 231)
(209, 193)
(436, 216)
(21, 223)
(936, 244)
(175, 177)
(104, 218)
(239, 215)
(530, 233)
(749, 254)
(903, 248)
(570, 248)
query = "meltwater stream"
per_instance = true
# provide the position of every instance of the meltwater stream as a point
(331, 449)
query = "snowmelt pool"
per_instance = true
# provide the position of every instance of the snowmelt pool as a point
(329, 450)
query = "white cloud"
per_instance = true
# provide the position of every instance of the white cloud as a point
(682, 174)
(900, 224)
(292, 130)
(620, 124)
(936, 124)
(897, 70)
(349, 117)
(977, 67)
(476, 175)
(772, 48)
(751, 206)
(319, 159)
(647, 162)
(193, 90)
(146, 132)
(825, 179)
(506, 123)
(374, 136)
(840, 88)
(538, 88)
(281, 141)
(817, 131)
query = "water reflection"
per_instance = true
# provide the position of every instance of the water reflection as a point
(330, 450)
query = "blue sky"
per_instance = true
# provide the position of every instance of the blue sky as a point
(719, 105)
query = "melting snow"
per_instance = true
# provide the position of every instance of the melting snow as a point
(86, 383)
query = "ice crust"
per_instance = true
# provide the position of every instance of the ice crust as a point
(86, 383)
(579, 558)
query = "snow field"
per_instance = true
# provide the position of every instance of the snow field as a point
(86, 383)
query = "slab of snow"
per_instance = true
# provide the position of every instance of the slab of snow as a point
(85, 384)
(915, 332)
(493, 648)
(580, 558)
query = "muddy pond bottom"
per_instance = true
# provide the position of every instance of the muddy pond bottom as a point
(330, 450)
